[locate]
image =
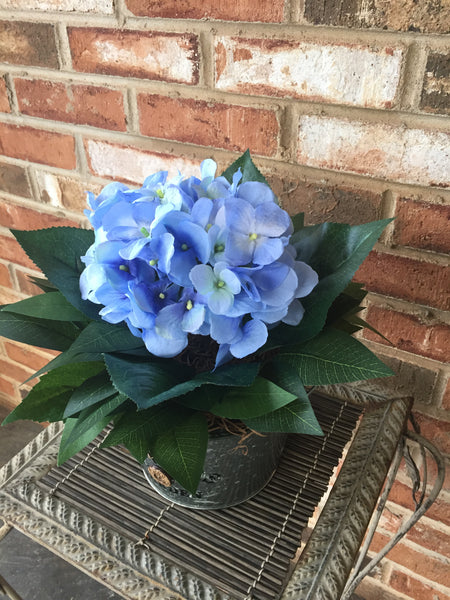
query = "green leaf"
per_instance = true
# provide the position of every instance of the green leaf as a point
(135, 430)
(42, 283)
(296, 417)
(100, 336)
(57, 251)
(248, 168)
(146, 383)
(332, 357)
(334, 251)
(181, 451)
(82, 430)
(52, 306)
(90, 392)
(228, 375)
(298, 221)
(247, 402)
(37, 332)
(67, 358)
(47, 400)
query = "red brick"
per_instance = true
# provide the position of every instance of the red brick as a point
(400, 15)
(369, 589)
(169, 57)
(14, 216)
(8, 296)
(372, 149)
(5, 278)
(15, 371)
(13, 179)
(4, 100)
(25, 355)
(30, 44)
(439, 510)
(209, 124)
(11, 251)
(430, 537)
(407, 332)
(390, 521)
(401, 277)
(436, 84)
(84, 104)
(422, 225)
(266, 11)
(322, 72)
(435, 430)
(26, 286)
(36, 145)
(425, 565)
(8, 390)
(413, 588)
(326, 202)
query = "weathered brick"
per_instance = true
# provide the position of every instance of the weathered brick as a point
(409, 380)
(11, 251)
(64, 191)
(36, 145)
(266, 11)
(409, 333)
(169, 57)
(370, 589)
(4, 100)
(436, 84)
(84, 104)
(13, 179)
(133, 165)
(413, 588)
(427, 566)
(445, 402)
(209, 124)
(430, 537)
(347, 74)
(14, 371)
(31, 44)
(5, 278)
(401, 277)
(105, 7)
(372, 149)
(326, 202)
(25, 355)
(422, 225)
(438, 511)
(436, 430)
(14, 216)
(400, 15)
(9, 392)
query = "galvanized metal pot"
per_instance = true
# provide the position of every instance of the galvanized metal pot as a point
(234, 471)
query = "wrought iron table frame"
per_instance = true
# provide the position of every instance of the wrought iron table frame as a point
(328, 568)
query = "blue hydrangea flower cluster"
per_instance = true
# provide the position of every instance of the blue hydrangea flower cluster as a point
(194, 256)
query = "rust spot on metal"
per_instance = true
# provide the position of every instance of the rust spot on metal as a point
(159, 476)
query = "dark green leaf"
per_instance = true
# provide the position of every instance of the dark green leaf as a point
(43, 333)
(135, 430)
(181, 451)
(295, 417)
(90, 392)
(52, 306)
(228, 375)
(332, 357)
(67, 358)
(298, 221)
(43, 284)
(261, 397)
(248, 168)
(57, 251)
(101, 336)
(82, 430)
(146, 383)
(47, 400)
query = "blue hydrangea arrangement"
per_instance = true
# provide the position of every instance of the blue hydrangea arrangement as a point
(191, 300)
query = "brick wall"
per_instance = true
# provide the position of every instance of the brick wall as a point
(342, 104)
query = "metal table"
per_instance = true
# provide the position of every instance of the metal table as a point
(98, 513)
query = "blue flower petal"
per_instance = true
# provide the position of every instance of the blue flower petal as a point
(254, 336)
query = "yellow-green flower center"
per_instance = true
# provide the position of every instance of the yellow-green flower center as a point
(220, 283)
(219, 248)
(184, 247)
(160, 193)
(189, 305)
(144, 231)
(153, 262)
(253, 236)
(124, 268)
(162, 295)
